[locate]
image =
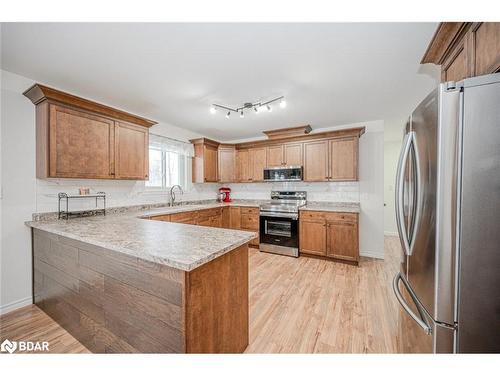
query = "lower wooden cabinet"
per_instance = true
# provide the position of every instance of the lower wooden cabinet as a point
(312, 235)
(233, 217)
(342, 240)
(331, 234)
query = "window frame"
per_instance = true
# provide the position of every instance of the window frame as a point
(183, 171)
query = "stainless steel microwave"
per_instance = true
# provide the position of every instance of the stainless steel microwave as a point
(291, 173)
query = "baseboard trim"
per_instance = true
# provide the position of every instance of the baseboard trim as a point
(392, 234)
(15, 305)
(372, 254)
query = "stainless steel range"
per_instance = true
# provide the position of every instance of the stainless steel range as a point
(279, 223)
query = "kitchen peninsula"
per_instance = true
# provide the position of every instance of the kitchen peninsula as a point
(123, 283)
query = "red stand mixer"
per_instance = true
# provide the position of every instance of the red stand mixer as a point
(225, 194)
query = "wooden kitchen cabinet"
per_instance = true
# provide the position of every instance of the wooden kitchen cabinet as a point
(288, 154)
(465, 49)
(250, 219)
(190, 217)
(80, 145)
(131, 152)
(342, 240)
(293, 154)
(205, 160)
(234, 217)
(243, 168)
(316, 161)
(331, 234)
(78, 138)
(343, 159)
(275, 156)
(227, 163)
(312, 237)
(258, 161)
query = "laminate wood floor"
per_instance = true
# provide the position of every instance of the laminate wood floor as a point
(302, 305)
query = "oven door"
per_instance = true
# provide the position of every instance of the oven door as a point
(279, 230)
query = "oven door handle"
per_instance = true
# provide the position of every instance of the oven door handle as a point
(286, 215)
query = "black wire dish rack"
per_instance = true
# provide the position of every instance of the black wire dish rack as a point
(64, 199)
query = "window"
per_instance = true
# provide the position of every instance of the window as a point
(166, 168)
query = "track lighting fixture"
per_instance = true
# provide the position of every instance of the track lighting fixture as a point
(257, 107)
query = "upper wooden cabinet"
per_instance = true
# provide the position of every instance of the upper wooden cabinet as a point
(243, 168)
(327, 156)
(258, 161)
(131, 152)
(343, 159)
(465, 49)
(316, 161)
(331, 160)
(205, 160)
(288, 154)
(227, 163)
(78, 138)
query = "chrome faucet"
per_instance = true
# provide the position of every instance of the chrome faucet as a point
(172, 194)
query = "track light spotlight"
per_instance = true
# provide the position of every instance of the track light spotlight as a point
(228, 114)
(282, 103)
(213, 110)
(256, 110)
(269, 109)
(242, 114)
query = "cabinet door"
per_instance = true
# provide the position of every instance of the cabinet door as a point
(226, 165)
(342, 240)
(234, 218)
(225, 218)
(275, 156)
(258, 162)
(312, 237)
(80, 145)
(210, 163)
(485, 48)
(293, 154)
(344, 159)
(316, 161)
(131, 152)
(243, 166)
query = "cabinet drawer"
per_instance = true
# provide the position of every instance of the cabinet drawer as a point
(342, 216)
(250, 222)
(250, 210)
(312, 215)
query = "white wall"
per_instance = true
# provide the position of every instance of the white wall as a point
(23, 194)
(391, 155)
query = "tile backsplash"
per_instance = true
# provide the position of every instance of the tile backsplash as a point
(127, 193)
(316, 191)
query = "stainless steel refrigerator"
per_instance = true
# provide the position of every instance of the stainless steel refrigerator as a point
(448, 217)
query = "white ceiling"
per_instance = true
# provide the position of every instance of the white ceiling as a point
(330, 74)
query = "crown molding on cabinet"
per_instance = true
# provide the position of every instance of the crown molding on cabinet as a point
(288, 132)
(39, 93)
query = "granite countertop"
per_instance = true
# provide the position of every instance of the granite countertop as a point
(351, 207)
(180, 246)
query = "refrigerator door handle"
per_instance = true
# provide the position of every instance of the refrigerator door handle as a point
(403, 158)
(418, 319)
(418, 203)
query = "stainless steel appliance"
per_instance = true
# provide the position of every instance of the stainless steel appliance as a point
(279, 223)
(448, 216)
(290, 173)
